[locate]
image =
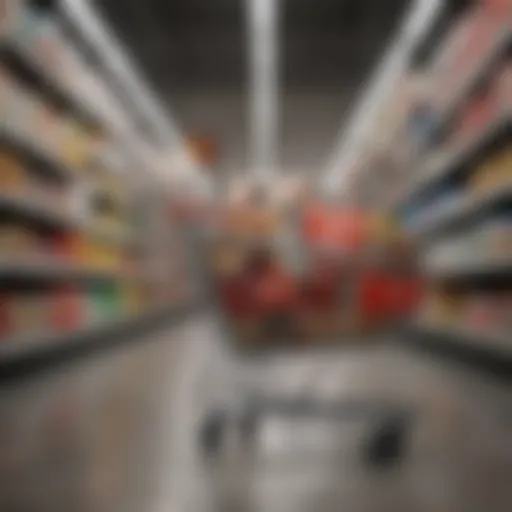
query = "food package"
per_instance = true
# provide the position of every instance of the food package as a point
(441, 308)
(493, 173)
(131, 299)
(6, 324)
(16, 241)
(468, 42)
(47, 127)
(13, 175)
(481, 312)
(496, 238)
(67, 310)
(501, 10)
(227, 260)
(476, 117)
(28, 313)
(62, 246)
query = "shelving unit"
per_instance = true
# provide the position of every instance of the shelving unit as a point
(442, 164)
(39, 211)
(48, 270)
(470, 268)
(470, 344)
(28, 144)
(496, 51)
(450, 178)
(461, 212)
(22, 353)
(80, 198)
(20, 60)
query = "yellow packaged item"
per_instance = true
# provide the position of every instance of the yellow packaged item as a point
(13, 175)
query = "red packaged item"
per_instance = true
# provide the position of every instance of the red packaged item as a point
(67, 311)
(319, 292)
(339, 228)
(447, 68)
(406, 294)
(477, 116)
(480, 40)
(468, 45)
(237, 298)
(275, 292)
(500, 9)
(375, 296)
(61, 246)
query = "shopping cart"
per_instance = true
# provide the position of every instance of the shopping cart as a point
(298, 455)
(333, 300)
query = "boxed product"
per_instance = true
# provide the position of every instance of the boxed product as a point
(496, 237)
(18, 242)
(67, 309)
(6, 324)
(45, 45)
(442, 308)
(477, 115)
(501, 10)
(47, 128)
(29, 313)
(103, 302)
(130, 299)
(13, 175)
(469, 42)
(494, 173)
(482, 312)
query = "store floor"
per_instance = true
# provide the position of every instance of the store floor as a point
(117, 432)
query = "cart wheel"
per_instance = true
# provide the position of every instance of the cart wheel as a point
(211, 434)
(387, 444)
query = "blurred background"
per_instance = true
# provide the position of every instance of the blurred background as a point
(255, 255)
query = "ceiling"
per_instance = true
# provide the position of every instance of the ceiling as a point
(191, 50)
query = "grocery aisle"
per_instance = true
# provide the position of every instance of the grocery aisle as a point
(118, 431)
(458, 454)
(80, 437)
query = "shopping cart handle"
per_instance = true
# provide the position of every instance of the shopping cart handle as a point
(348, 409)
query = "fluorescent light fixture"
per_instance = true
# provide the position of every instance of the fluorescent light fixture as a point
(100, 37)
(263, 85)
(353, 137)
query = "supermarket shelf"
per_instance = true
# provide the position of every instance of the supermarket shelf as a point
(34, 209)
(441, 167)
(461, 211)
(428, 44)
(28, 145)
(42, 214)
(23, 355)
(113, 238)
(47, 270)
(471, 269)
(17, 57)
(485, 349)
(496, 51)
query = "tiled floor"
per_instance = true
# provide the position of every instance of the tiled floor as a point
(117, 432)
